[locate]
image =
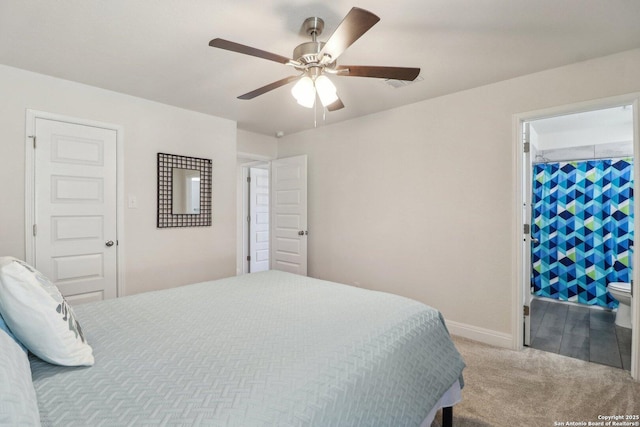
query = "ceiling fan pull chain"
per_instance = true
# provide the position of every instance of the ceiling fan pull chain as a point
(315, 114)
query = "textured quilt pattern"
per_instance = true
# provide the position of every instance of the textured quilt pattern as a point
(263, 349)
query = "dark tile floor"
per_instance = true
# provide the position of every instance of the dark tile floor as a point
(580, 332)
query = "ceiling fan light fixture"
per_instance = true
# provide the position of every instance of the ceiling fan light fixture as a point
(326, 90)
(304, 92)
(312, 59)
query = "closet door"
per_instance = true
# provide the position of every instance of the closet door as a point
(259, 220)
(75, 208)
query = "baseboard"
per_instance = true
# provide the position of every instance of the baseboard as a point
(487, 336)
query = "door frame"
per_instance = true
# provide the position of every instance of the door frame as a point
(518, 275)
(29, 187)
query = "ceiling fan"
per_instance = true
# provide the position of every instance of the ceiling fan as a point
(315, 59)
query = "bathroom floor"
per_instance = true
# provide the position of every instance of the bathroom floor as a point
(580, 332)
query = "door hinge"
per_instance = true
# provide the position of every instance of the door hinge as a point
(249, 219)
(248, 257)
(35, 230)
(249, 179)
(526, 137)
(33, 137)
(525, 310)
(526, 228)
(527, 147)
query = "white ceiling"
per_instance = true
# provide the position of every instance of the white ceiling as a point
(158, 49)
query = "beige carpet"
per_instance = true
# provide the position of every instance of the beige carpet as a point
(535, 388)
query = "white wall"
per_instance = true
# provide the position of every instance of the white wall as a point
(155, 258)
(420, 200)
(266, 147)
(584, 136)
(595, 127)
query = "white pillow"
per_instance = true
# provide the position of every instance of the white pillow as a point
(39, 316)
(4, 327)
(18, 402)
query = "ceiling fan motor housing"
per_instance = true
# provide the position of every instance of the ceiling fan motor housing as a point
(307, 53)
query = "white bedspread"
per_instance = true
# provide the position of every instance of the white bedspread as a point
(263, 349)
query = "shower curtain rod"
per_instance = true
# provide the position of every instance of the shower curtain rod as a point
(545, 160)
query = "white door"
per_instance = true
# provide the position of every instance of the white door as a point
(259, 220)
(289, 214)
(75, 208)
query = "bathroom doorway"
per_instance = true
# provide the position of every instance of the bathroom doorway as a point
(578, 222)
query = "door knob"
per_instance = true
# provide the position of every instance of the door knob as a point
(109, 243)
(300, 233)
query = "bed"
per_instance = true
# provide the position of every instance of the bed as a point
(261, 349)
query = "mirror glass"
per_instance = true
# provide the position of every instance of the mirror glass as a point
(185, 191)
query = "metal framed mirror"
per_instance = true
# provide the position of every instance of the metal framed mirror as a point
(184, 191)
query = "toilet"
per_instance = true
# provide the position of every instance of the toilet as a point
(622, 292)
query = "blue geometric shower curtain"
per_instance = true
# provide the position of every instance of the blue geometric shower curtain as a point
(583, 220)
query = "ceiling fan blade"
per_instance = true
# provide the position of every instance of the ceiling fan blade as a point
(247, 50)
(396, 73)
(269, 87)
(353, 26)
(336, 105)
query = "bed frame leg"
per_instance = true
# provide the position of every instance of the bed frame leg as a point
(447, 416)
